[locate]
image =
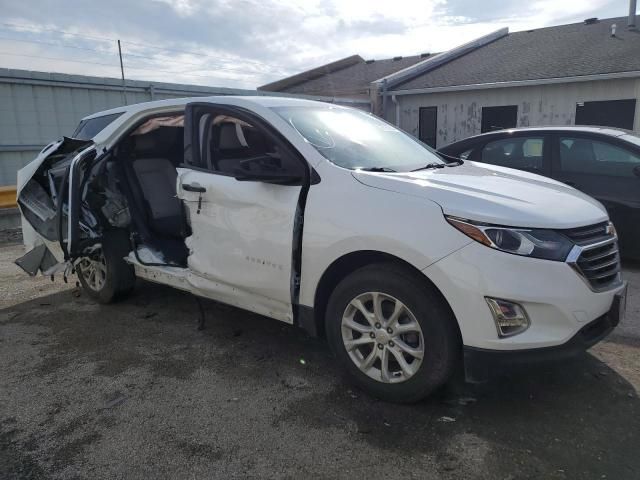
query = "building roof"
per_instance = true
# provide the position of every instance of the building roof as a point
(554, 52)
(349, 77)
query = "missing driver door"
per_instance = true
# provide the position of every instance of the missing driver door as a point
(240, 251)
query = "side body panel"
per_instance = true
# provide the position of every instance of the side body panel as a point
(344, 216)
(242, 237)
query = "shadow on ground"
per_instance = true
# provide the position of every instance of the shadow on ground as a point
(134, 390)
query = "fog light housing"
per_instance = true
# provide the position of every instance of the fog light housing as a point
(510, 317)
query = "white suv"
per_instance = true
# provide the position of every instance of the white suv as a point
(331, 219)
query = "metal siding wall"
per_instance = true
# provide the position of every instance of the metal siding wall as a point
(37, 108)
(460, 112)
(31, 116)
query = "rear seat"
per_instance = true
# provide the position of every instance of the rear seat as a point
(157, 178)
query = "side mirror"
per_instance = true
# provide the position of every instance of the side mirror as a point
(636, 170)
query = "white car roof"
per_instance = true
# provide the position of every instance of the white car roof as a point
(266, 101)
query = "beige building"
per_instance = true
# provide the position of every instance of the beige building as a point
(584, 73)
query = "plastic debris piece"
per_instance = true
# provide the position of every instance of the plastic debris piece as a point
(446, 419)
(118, 400)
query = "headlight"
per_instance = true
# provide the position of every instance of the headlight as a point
(530, 242)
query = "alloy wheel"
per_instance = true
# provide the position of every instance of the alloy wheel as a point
(94, 271)
(382, 337)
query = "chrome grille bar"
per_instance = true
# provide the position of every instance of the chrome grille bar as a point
(595, 256)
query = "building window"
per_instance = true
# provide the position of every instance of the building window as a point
(609, 113)
(497, 118)
(428, 125)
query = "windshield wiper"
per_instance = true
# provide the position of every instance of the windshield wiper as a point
(453, 160)
(377, 169)
(429, 166)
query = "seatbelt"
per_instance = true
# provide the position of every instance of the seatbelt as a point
(240, 134)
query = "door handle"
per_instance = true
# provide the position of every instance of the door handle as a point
(193, 187)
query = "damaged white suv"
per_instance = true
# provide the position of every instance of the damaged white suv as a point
(331, 219)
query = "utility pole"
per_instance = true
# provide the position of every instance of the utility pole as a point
(124, 88)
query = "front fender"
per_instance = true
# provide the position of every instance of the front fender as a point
(344, 216)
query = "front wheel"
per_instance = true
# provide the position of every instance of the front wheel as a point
(104, 275)
(392, 332)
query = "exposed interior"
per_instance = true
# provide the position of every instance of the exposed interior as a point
(145, 162)
(134, 187)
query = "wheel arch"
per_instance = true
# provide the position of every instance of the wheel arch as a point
(341, 267)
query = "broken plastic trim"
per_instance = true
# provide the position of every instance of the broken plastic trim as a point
(39, 258)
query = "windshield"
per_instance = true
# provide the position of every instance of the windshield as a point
(357, 140)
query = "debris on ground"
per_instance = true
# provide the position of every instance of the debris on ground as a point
(118, 400)
(446, 419)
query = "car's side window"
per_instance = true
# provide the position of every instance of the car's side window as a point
(584, 155)
(525, 153)
(229, 144)
(87, 129)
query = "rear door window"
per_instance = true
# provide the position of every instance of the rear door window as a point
(523, 153)
(87, 129)
(588, 156)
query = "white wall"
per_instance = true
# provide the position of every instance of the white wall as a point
(459, 112)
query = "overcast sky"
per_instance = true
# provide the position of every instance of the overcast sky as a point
(246, 43)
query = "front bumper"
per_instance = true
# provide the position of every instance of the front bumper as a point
(479, 362)
(558, 302)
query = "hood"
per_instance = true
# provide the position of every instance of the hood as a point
(59, 147)
(491, 194)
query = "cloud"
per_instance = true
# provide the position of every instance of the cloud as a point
(246, 43)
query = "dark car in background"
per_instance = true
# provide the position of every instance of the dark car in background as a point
(602, 162)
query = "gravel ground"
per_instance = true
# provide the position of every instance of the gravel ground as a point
(133, 390)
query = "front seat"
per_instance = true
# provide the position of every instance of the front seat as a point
(157, 178)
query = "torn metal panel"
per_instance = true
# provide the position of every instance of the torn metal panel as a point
(38, 259)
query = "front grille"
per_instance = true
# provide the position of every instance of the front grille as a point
(589, 234)
(595, 256)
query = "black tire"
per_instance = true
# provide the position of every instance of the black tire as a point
(120, 276)
(442, 345)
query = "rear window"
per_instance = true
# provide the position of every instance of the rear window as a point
(87, 129)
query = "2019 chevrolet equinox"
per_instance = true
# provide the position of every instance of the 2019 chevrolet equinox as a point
(331, 219)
